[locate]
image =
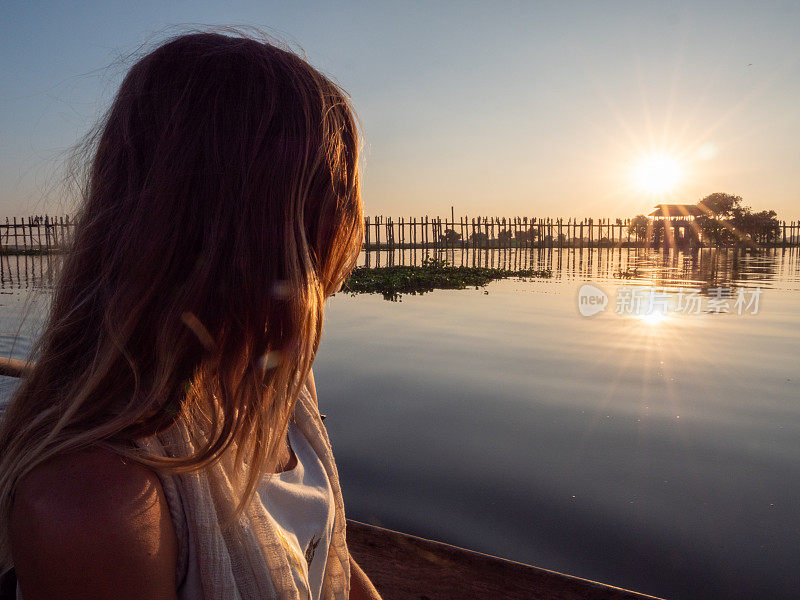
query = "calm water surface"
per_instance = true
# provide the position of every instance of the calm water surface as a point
(657, 453)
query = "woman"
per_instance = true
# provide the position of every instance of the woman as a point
(167, 443)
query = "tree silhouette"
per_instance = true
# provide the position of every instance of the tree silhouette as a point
(638, 226)
(729, 222)
(721, 204)
(450, 236)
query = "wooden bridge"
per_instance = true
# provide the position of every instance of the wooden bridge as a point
(43, 234)
(389, 233)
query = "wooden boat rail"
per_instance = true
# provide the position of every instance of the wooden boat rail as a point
(407, 567)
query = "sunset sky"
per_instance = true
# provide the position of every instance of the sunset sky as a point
(548, 109)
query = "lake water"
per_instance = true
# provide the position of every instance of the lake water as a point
(646, 446)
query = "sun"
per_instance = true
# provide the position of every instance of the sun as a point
(657, 174)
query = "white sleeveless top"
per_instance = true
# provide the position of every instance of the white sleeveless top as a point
(300, 502)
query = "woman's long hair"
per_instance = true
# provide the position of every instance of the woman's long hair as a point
(221, 208)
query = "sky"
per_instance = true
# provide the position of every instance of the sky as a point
(545, 109)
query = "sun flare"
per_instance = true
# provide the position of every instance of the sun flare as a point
(657, 174)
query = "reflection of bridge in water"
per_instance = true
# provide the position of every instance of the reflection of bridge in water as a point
(21, 271)
(775, 267)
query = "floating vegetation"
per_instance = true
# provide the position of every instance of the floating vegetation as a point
(433, 274)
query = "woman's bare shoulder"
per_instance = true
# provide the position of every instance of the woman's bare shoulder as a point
(91, 524)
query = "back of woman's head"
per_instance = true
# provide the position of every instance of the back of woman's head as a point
(221, 208)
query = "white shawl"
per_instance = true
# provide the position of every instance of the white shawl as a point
(246, 561)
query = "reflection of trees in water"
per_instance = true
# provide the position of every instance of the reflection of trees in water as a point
(710, 268)
(28, 271)
(702, 269)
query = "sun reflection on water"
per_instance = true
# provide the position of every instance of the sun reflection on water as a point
(652, 319)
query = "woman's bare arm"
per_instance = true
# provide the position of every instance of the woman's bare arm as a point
(91, 526)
